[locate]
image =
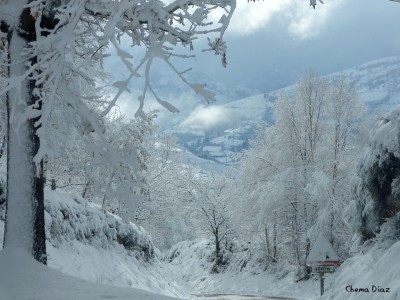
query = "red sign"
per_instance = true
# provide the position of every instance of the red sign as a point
(329, 262)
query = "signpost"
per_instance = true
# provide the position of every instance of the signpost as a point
(322, 259)
(323, 269)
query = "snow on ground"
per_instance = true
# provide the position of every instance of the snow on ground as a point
(22, 278)
(192, 262)
(92, 246)
(376, 270)
(265, 284)
(112, 268)
(368, 276)
(89, 244)
(96, 246)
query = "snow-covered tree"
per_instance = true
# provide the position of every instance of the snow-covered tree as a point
(165, 214)
(51, 44)
(114, 176)
(211, 207)
(344, 112)
(297, 172)
(300, 128)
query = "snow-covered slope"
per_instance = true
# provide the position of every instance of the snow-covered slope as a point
(245, 272)
(238, 121)
(370, 276)
(23, 278)
(90, 244)
(219, 130)
(376, 82)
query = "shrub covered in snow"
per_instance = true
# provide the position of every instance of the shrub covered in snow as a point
(71, 218)
(89, 243)
(377, 184)
(237, 257)
(245, 271)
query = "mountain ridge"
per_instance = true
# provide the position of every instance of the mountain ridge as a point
(219, 140)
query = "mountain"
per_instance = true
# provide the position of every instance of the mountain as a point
(220, 141)
(220, 130)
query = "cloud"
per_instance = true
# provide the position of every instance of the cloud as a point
(297, 17)
(306, 22)
(206, 117)
(270, 44)
(250, 17)
(125, 106)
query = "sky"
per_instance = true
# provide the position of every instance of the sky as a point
(271, 43)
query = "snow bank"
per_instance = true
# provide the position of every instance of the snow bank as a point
(98, 246)
(88, 243)
(74, 219)
(373, 275)
(23, 278)
(244, 272)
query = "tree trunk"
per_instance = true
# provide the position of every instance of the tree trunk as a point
(218, 260)
(295, 234)
(24, 227)
(274, 243)
(267, 240)
(307, 252)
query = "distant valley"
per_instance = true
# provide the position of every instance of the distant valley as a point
(217, 131)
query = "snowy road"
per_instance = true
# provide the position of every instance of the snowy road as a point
(240, 297)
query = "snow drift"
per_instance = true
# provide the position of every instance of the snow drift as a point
(369, 276)
(244, 272)
(85, 242)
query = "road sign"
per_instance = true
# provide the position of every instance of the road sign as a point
(322, 253)
(322, 259)
(323, 269)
